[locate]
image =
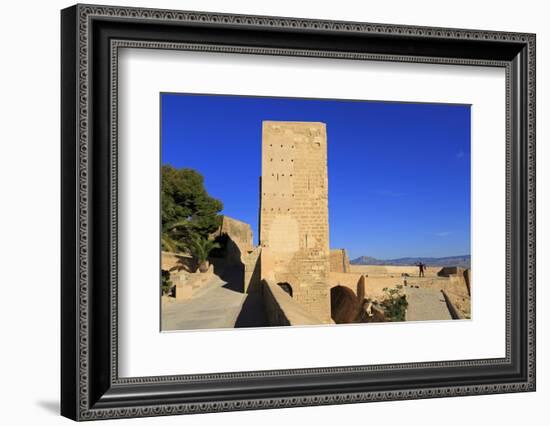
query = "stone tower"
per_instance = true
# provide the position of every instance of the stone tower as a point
(294, 232)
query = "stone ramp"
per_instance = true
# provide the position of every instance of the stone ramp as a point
(216, 306)
(426, 304)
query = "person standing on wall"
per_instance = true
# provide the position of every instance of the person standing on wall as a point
(421, 268)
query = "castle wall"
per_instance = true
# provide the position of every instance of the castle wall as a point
(177, 261)
(252, 276)
(395, 270)
(339, 261)
(239, 231)
(240, 238)
(282, 309)
(294, 232)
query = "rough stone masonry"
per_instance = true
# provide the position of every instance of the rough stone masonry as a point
(294, 231)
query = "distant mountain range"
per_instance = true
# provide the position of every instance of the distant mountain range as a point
(461, 261)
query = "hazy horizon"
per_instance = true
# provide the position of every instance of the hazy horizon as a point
(407, 257)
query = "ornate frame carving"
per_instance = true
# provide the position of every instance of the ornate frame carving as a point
(91, 388)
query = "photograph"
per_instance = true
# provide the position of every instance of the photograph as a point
(265, 209)
(279, 211)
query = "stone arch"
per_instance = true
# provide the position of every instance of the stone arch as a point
(287, 288)
(344, 305)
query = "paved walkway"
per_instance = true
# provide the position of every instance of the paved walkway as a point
(214, 306)
(426, 304)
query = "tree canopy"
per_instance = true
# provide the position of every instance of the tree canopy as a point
(187, 210)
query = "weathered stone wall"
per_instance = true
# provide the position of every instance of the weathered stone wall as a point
(348, 280)
(448, 271)
(176, 261)
(282, 309)
(397, 270)
(373, 286)
(294, 231)
(467, 279)
(454, 309)
(339, 261)
(240, 240)
(252, 276)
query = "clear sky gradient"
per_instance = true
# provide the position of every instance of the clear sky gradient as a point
(399, 173)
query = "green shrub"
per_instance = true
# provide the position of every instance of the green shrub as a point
(165, 283)
(395, 304)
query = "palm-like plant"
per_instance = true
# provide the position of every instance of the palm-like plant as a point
(200, 248)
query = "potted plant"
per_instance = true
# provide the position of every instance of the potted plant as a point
(200, 248)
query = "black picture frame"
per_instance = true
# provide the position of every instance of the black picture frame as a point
(90, 386)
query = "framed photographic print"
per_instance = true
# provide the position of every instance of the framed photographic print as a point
(263, 212)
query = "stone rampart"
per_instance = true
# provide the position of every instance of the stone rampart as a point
(339, 261)
(374, 285)
(239, 238)
(448, 271)
(281, 309)
(395, 270)
(349, 280)
(176, 261)
(252, 274)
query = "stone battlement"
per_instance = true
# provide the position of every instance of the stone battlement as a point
(282, 309)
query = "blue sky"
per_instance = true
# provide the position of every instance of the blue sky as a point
(399, 173)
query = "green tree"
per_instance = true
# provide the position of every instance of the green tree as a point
(176, 236)
(187, 210)
(200, 248)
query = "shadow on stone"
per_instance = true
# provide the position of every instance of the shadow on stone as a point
(253, 312)
(286, 287)
(227, 263)
(344, 305)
